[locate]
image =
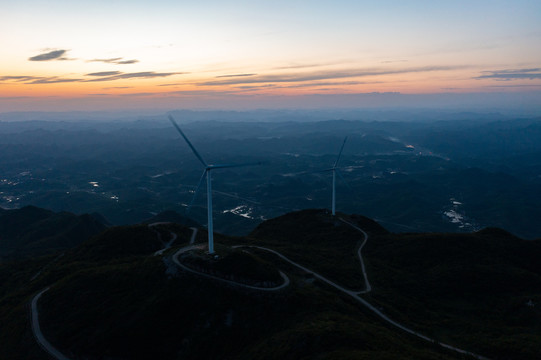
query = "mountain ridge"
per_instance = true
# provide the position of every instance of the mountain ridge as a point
(112, 297)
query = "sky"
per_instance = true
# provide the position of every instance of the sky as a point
(102, 55)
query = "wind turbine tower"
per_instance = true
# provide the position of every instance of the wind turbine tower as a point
(334, 169)
(207, 172)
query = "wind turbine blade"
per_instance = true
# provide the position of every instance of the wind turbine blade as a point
(340, 153)
(307, 172)
(188, 141)
(344, 180)
(196, 191)
(221, 166)
(235, 197)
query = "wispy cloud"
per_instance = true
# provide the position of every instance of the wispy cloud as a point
(235, 75)
(108, 61)
(334, 83)
(141, 94)
(325, 75)
(117, 61)
(305, 85)
(18, 78)
(96, 77)
(53, 80)
(104, 73)
(393, 61)
(137, 75)
(256, 87)
(51, 55)
(511, 74)
(200, 92)
(37, 79)
(127, 62)
(117, 87)
(513, 86)
(301, 66)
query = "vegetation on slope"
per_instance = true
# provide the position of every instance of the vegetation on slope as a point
(111, 298)
(317, 240)
(481, 290)
(235, 265)
(141, 309)
(32, 231)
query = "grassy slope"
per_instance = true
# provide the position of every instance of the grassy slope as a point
(317, 241)
(111, 297)
(469, 289)
(31, 231)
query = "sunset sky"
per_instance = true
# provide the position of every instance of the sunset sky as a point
(92, 55)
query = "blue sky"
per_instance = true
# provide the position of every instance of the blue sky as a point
(139, 53)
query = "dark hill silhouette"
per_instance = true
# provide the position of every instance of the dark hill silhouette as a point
(172, 216)
(111, 297)
(32, 231)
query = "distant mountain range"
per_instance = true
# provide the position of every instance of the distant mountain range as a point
(431, 171)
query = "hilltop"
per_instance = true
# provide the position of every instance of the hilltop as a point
(111, 297)
(32, 231)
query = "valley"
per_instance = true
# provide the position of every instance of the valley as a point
(419, 176)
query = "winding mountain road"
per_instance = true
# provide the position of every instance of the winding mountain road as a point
(55, 353)
(36, 330)
(184, 267)
(368, 288)
(167, 244)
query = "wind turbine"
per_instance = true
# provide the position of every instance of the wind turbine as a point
(207, 172)
(334, 169)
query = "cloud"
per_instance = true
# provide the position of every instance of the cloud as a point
(235, 75)
(97, 77)
(200, 92)
(127, 62)
(51, 55)
(301, 66)
(393, 61)
(108, 61)
(505, 75)
(104, 73)
(37, 79)
(141, 94)
(334, 83)
(304, 85)
(146, 74)
(137, 75)
(325, 75)
(513, 86)
(21, 78)
(117, 61)
(117, 87)
(256, 87)
(52, 80)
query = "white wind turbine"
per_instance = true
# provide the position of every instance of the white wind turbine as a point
(207, 172)
(334, 169)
